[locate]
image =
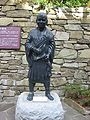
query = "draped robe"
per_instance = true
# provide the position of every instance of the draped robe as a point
(39, 49)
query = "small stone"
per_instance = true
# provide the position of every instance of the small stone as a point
(60, 14)
(24, 24)
(57, 27)
(82, 64)
(6, 21)
(50, 22)
(5, 87)
(26, 6)
(56, 67)
(20, 83)
(24, 35)
(51, 16)
(4, 66)
(11, 2)
(23, 41)
(77, 15)
(1, 97)
(58, 81)
(2, 14)
(18, 13)
(20, 19)
(61, 36)
(58, 61)
(84, 53)
(6, 8)
(68, 46)
(7, 82)
(86, 32)
(87, 68)
(70, 65)
(58, 43)
(59, 22)
(86, 20)
(76, 34)
(4, 62)
(71, 41)
(1, 54)
(22, 48)
(79, 46)
(72, 27)
(83, 41)
(73, 21)
(24, 61)
(79, 9)
(86, 27)
(9, 93)
(33, 18)
(67, 53)
(14, 62)
(3, 2)
(88, 73)
(66, 72)
(87, 37)
(80, 74)
(51, 11)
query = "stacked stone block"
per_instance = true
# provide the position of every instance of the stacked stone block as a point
(71, 29)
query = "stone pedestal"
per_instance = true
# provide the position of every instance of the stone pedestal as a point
(41, 108)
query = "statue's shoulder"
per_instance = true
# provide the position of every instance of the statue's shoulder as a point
(49, 33)
(33, 31)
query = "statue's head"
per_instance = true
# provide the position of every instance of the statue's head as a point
(41, 20)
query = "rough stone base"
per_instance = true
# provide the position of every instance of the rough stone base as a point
(40, 108)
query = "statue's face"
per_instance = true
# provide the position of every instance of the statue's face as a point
(41, 21)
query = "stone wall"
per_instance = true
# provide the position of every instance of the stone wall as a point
(71, 28)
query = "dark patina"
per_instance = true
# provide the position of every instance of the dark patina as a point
(40, 48)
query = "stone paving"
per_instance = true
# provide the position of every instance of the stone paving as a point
(70, 114)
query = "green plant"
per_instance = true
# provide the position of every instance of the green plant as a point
(85, 101)
(78, 93)
(75, 3)
(42, 3)
(72, 90)
(58, 3)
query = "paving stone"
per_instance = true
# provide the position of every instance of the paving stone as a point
(71, 114)
(4, 106)
(88, 117)
(7, 111)
(79, 117)
(11, 113)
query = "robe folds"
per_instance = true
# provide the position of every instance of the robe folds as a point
(40, 47)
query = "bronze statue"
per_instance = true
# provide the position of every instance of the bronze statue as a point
(40, 48)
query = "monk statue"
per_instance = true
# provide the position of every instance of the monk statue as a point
(39, 49)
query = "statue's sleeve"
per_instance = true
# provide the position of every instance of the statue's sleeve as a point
(28, 50)
(51, 48)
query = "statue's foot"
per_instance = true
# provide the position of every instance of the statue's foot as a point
(30, 96)
(48, 95)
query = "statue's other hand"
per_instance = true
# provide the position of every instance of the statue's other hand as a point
(36, 50)
(47, 57)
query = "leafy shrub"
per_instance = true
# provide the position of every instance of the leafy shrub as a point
(58, 3)
(79, 93)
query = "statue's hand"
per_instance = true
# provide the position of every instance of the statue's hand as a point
(36, 50)
(47, 57)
